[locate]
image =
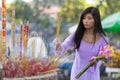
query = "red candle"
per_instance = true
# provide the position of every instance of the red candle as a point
(3, 23)
(21, 40)
(3, 8)
(25, 36)
(3, 12)
(4, 32)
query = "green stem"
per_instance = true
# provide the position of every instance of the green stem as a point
(83, 70)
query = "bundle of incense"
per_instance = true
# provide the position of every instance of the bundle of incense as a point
(33, 48)
(58, 30)
(4, 28)
(59, 57)
(59, 20)
(40, 55)
(26, 30)
(55, 62)
(55, 59)
(21, 41)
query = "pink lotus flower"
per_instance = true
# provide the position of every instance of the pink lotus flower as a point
(106, 51)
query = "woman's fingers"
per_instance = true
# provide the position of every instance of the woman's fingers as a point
(57, 44)
(93, 59)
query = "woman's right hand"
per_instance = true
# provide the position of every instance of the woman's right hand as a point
(57, 44)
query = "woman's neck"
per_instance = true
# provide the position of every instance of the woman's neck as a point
(89, 31)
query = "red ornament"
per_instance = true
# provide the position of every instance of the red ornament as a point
(4, 12)
(4, 32)
(3, 23)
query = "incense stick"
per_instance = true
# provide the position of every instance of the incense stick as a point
(58, 26)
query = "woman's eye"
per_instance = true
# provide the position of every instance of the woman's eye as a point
(89, 18)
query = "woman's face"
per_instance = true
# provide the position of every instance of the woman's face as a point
(88, 21)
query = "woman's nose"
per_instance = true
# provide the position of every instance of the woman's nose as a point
(85, 20)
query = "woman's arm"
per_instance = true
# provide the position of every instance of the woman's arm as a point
(62, 47)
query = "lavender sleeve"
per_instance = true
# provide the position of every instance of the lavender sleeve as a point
(68, 42)
(104, 42)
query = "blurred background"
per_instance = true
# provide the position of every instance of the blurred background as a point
(42, 17)
(42, 14)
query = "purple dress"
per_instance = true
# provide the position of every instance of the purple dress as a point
(82, 57)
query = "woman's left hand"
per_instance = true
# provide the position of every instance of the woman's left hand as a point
(93, 59)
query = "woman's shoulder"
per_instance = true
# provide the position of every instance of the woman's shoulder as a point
(105, 39)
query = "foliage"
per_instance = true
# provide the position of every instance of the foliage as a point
(71, 10)
(108, 7)
(42, 19)
(22, 11)
(112, 6)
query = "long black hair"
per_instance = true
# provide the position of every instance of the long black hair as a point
(81, 29)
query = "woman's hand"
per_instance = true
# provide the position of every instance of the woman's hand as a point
(93, 59)
(57, 44)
